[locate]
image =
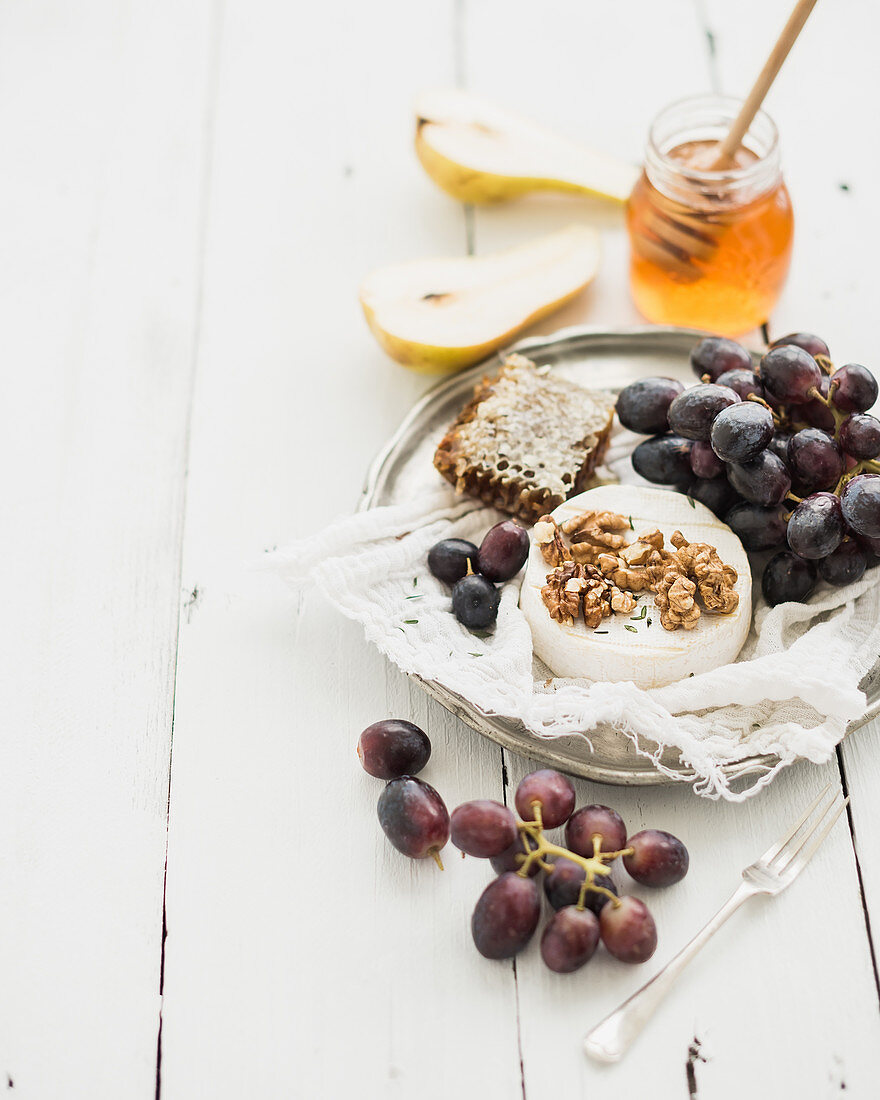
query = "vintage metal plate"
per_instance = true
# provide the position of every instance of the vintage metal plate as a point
(595, 357)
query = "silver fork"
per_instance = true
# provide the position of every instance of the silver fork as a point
(777, 868)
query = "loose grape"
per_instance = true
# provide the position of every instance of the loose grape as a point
(658, 859)
(590, 821)
(743, 382)
(859, 436)
(787, 578)
(475, 602)
(692, 412)
(503, 551)
(816, 526)
(392, 748)
(482, 828)
(853, 388)
(569, 939)
(813, 345)
(511, 859)
(718, 495)
(789, 373)
(552, 790)
(845, 565)
(642, 406)
(764, 480)
(757, 528)
(506, 916)
(704, 462)
(860, 501)
(628, 930)
(563, 886)
(664, 459)
(716, 354)
(815, 458)
(448, 559)
(815, 412)
(741, 432)
(413, 817)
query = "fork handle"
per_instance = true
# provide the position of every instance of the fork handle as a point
(610, 1039)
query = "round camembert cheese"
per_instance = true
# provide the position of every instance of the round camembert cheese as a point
(649, 656)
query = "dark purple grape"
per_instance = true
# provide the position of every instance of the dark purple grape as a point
(860, 501)
(815, 412)
(704, 462)
(563, 886)
(789, 373)
(664, 459)
(845, 565)
(716, 354)
(691, 414)
(642, 405)
(718, 495)
(815, 459)
(658, 859)
(570, 939)
(503, 551)
(414, 817)
(741, 432)
(764, 480)
(590, 821)
(511, 859)
(475, 602)
(628, 930)
(853, 388)
(813, 345)
(816, 526)
(779, 445)
(554, 792)
(745, 383)
(482, 828)
(448, 559)
(506, 916)
(392, 748)
(859, 436)
(787, 578)
(757, 528)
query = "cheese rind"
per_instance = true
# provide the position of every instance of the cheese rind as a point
(649, 656)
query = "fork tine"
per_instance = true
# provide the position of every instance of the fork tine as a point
(800, 858)
(774, 849)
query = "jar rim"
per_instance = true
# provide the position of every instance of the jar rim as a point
(762, 131)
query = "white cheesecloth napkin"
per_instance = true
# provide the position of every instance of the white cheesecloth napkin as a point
(790, 693)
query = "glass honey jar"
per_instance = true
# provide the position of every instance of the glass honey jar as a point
(710, 246)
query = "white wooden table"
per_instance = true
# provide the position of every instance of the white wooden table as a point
(191, 191)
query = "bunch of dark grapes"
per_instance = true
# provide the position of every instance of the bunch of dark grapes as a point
(785, 453)
(473, 571)
(577, 879)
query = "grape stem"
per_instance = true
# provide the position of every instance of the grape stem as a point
(533, 831)
(867, 466)
(838, 414)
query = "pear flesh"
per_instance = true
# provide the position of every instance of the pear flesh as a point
(480, 152)
(441, 315)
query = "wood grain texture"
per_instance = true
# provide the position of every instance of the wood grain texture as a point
(102, 129)
(305, 957)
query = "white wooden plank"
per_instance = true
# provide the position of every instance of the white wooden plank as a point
(743, 1000)
(102, 127)
(830, 171)
(305, 957)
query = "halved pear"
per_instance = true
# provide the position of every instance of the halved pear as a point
(441, 315)
(480, 152)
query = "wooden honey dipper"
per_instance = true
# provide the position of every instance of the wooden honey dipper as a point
(681, 234)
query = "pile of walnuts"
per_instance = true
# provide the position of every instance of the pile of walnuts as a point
(595, 572)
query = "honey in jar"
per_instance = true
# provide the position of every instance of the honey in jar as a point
(710, 247)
